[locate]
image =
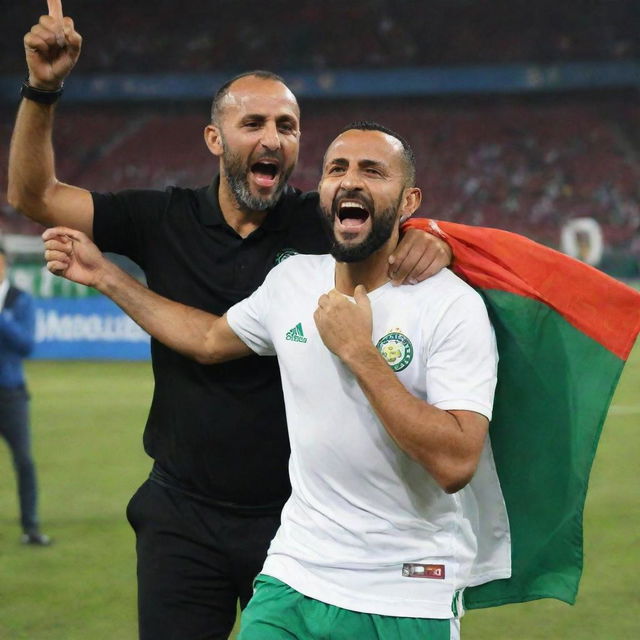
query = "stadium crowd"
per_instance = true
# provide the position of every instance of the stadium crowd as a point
(527, 166)
(312, 35)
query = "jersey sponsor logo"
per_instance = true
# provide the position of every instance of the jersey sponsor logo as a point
(396, 349)
(296, 334)
(281, 256)
(431, 571)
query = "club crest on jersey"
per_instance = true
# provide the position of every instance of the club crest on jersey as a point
(396, 349)
(281, 256)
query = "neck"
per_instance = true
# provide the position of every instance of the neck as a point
(372, 272)
(242, 221)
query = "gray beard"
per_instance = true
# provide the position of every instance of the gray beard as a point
(238, 181)
(239, 186)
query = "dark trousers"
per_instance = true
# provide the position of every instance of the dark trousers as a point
(195, 561)
(14, 428)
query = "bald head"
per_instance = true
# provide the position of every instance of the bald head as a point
(259, 80)
(395, 143)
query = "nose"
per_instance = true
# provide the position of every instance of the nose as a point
(270, 138)
(351, 180)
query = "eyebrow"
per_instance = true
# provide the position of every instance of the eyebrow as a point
(261, 117)
(363, 164)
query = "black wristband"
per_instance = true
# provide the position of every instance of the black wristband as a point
(39, 95)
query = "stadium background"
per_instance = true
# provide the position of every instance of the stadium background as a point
(523, 115)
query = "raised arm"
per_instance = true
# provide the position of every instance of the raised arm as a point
(52, 48)
(197, 334)
(447, 444)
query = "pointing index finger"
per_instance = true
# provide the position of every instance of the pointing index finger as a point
(55, 10)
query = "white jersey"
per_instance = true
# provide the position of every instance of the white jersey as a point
(366, 527)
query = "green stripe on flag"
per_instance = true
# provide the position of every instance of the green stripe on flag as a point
(555, 385)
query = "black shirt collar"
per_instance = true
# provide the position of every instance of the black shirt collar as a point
(275, 219)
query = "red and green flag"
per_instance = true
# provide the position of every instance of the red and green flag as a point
(564, 331)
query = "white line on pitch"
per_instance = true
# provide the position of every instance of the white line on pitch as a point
(624, 410)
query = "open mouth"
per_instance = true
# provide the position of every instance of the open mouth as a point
(352, 213)
(265, 172)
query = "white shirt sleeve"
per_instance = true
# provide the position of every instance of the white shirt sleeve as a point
(249, 320)
(462, 358)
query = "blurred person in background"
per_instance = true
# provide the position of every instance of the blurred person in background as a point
(217, 436)
(17, 330)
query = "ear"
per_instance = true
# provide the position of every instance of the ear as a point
(410, 202)
(213, 139)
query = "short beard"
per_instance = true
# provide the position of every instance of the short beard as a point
(237, 177)
(382, 227)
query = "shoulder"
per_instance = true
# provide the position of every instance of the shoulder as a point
(184, 193)
(296, 204)
(301, 217)
(299, 274)
(448, 285)
(132, 206)
(132, 195)
(446, 295)
(300, 266)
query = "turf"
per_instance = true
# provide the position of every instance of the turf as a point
(87, 425)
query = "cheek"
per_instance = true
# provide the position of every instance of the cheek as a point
(384, 201)
(292, 148)
(326, 199)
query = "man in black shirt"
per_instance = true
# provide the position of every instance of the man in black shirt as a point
(217, 435)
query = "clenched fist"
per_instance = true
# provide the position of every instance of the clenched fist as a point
(71, 255)
(344, 326)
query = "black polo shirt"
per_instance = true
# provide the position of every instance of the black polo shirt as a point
(215, 431)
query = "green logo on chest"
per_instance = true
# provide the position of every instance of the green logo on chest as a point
(396, 349)
(281, 256)
(296, 334)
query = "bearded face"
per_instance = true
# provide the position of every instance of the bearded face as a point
(266, 167)
(352, 209)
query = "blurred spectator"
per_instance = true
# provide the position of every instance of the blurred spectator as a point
(17, 328)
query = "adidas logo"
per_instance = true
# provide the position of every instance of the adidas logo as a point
(296, 334)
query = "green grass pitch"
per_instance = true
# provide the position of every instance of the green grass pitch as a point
(87, 426)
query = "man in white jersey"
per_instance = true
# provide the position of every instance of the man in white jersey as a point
(396, 507)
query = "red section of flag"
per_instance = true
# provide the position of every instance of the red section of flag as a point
(600, 306)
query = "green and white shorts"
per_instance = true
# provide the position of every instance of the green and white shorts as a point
(278, 612)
